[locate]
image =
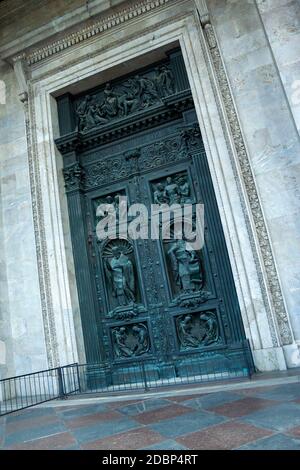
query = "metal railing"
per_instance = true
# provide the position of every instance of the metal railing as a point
(23, 391)
(147, 375)
(27, 390)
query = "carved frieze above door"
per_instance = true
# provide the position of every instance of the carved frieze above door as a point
(132, 95)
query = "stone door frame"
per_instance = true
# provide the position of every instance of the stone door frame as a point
(57, 68)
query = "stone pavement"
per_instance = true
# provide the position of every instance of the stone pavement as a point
(265, 417)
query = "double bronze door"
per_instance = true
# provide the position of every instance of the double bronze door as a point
(157, 299)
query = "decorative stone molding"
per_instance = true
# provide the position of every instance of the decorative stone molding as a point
(39, 233)
(105, 23)
(248, 179)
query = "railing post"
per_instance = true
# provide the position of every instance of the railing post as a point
(248, 358)
(144, 377)
(78, 378)
(61, 388)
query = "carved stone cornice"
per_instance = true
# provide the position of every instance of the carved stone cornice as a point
(273, 283)
(105, 23)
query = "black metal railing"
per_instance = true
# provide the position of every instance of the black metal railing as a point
(146, 375)
(23, 391)
(27, 390)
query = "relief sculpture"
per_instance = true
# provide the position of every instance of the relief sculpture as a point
(119, 273)
(173, 190)
(119, 339)
(185, 267)
(89, 114)
(130, 340)
(164, 81)
(195, 330)
(121, 282)
(110, 206)
(187, 274)
(135, 94)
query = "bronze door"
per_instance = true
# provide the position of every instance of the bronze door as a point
(150, 300)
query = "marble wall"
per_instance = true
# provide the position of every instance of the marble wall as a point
(261, 51)
(21, 328)
(281, 21)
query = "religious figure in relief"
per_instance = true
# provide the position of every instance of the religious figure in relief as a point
(159, 195)
(211, 328)
(197, 329)
(184, 331)
(185, 266)
(130, 340)
(81, 112)
(134, 94)
(128, 103)
(89, 114)
(119, 338)
(120, 275)
(184, 191)
(142, 337)
(147, 91)
(110, 105)
(172, 191)
(164, 81)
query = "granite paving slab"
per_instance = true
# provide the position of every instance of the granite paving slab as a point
(28, 434)
(212, 399)
(281, 417)
(285, 392)
(223, 436)
(143, 406)
(242, 407)
(168, 444)
(186, 423)
(275, 442)
(129, 440)
(101, 430)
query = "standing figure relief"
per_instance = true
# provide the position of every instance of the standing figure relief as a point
(185, 266)
(120, 276)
